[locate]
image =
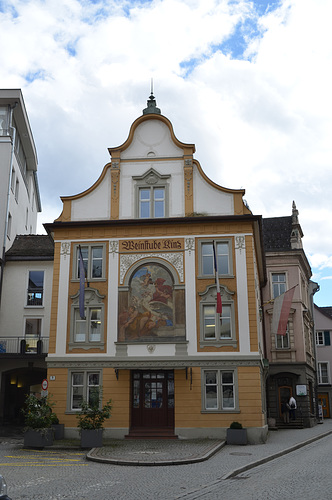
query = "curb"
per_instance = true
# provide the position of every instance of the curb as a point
(252, 465)
(93, 456)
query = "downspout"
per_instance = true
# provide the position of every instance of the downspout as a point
(13, 137)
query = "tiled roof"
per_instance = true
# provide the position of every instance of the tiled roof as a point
(327, 310)
(277, 234)
(31, 246)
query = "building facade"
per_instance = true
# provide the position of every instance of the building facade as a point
(150, 337)
(323, 328)
(19, 192)
(292, 357)
(24, 321)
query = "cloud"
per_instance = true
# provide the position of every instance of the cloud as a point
(247, 81)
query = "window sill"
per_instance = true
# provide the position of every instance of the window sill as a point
(218, 343)
(212, 276)
(33, 307)
(86, 345)
(231, 410)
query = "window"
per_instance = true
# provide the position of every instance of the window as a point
(323, 337)
(282, 341)
(17, 185)
(278, 284)
(35, 288)
(217, 330)
(216, 326)
(84, 386)
(151, 203)
(13, 179)
(323, 373)
(9, 226)
(3, 120)
(219, 390)
(223, 258)
(152, 195)
(32, 334)
(93, 260)
(87, 332)
(88, 329)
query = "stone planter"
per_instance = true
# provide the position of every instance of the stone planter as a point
(236, 436)
(91, 438)
(59, 431)
(38, 438)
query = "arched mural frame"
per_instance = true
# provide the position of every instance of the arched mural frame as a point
(151, 303)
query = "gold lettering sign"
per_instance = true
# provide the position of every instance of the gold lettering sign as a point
(165, 245)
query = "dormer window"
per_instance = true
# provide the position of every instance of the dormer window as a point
(151, 192)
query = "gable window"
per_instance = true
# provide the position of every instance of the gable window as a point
(84, 386)
(93, 260)
(323, 338)
(323, 373)
(151, 193)
(217, 330)
(151, 203)
(219, 390)
(87, 332)
(278, 284)
(223, 257)
(35, 288)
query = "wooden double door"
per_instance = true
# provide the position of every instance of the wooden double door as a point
(152, 403)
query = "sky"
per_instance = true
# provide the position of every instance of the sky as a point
(248, 82)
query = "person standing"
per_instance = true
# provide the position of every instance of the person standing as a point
(292, 408)
(285, 411)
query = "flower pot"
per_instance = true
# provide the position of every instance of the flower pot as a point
(38, 438)
(91, 438)
(59, 431)
(236, 436)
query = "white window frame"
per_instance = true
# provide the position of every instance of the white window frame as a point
(32, 338)
(88, 261)
(220, 242)
(320, 338)
(281, 286)
(93, 301)
(87, 322)
(85, 386)
(328, 375)
(283, 340)
(220, 385)
(151, 181)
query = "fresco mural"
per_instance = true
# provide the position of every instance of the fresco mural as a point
(150, 311)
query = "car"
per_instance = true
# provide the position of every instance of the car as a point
(3, 489)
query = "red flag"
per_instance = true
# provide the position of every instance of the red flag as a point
(215, 264)
(281, 308)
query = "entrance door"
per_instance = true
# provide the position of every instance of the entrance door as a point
(152, 399)
(285, 392)
(323, 399)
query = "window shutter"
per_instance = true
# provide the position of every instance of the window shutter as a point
(327, 337)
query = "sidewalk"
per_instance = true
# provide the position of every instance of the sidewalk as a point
(181, 452)
(233, 459)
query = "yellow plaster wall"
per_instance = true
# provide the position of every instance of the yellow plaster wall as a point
(55, 294)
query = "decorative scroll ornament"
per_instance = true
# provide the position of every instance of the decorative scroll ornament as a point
(65, 248)
(151, 348)
(240, 243)
(190, 245)
(114, 247)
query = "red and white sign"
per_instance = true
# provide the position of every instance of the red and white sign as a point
(45, 384)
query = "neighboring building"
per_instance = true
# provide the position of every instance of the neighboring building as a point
(19, 193)
(323, 328)
(292, 364)
(24, 321)
(151, 337)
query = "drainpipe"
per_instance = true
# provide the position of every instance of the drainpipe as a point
(11, 108)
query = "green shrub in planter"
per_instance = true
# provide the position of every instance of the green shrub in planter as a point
(236, 434)
(90, 421)
(38, 430)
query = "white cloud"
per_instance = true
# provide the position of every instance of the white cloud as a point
(263, 123)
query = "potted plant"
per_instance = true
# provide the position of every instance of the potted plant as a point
(38, 430)
(90, 422)
(236, 434)
(59, 429)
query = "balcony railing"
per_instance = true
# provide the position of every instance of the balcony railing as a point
(22, 345)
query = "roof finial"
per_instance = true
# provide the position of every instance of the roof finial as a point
(152, 105)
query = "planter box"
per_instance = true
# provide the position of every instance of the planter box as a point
(59, 431)
(38, 439)
(91, 438)
(237, 436)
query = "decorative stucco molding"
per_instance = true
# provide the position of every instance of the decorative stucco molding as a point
(175, 259)
(240, 243)
(65, 249)
(190, 245)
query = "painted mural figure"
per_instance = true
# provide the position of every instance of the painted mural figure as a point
(150, 311)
